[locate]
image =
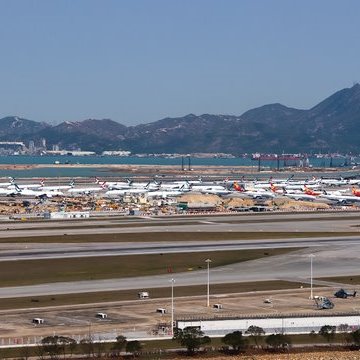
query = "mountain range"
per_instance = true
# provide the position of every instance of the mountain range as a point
(330, 126)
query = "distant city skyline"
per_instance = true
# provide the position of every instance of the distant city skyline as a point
(139, 61)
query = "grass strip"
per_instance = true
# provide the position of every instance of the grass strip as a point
(173, 236)
(349, 279)
(30, 272)
(155, 293)
(125, 223)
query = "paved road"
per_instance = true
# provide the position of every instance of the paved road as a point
(254, 222)
(334, 256)
(52, 251)
(333, 261)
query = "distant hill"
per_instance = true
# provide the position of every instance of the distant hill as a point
(332, 125)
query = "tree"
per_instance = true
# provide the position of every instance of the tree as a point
(235, 340)
(278, 341)
(51, 346)
(328, 332)
(87, 346)
(120, 344)
(66, 342)
(191, 337)
(355, 335)
(255, 332)
(343, 328)
(133, 347)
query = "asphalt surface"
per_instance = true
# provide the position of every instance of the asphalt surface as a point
(334, 261)
(334, 256)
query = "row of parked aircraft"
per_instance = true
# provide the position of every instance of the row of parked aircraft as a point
(310, 190)
(305, 192)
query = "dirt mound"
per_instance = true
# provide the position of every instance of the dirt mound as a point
(234, 202)
(200, 198)
(299, 205)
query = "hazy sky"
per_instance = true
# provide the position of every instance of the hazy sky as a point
(137, 61)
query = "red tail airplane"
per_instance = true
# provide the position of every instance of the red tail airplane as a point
(238, 187)
(308, 191)
(273, 188)
(355, 191)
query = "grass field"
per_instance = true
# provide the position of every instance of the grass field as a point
(350, 279)
(28, 272)
(121, 295)
(130, 223)
(168, 235)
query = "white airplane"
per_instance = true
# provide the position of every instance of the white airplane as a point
(35, 193)
(334, 182)
(164, 194)
(8, 192)
(350, 181)
(343, 199)
(300, 196)
(56, 187)
(255, 194)
(210, 189)
(149, 186)
(123, 192)
(114, 185)
(6, 184)
(22, 186)
(86, 190)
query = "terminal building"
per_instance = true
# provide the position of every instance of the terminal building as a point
(11, 147)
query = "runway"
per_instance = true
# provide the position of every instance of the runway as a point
(279, 222)
(334, 261)
(335, 256)
(59, 251)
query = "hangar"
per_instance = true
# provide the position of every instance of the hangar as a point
(274, 324)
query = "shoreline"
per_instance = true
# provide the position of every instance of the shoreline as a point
(174, 169)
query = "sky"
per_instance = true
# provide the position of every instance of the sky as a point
(137, 61)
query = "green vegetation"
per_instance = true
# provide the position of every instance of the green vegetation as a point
(349, 279)
(58, 347)
(192, 338)
(236, 340)
(110, 296)
(26, 272)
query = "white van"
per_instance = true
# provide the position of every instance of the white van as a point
(143, 295)
(161, 311)
(101, 315)
(37, 321)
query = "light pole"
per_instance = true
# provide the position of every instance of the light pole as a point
(311, 276)
(208, 261)
(172, 306)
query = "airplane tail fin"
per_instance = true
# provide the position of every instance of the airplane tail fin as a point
(17, 188)
(12, 180)
(72, 183)
(238, 187)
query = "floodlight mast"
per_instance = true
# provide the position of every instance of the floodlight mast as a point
(208, 261)
(172, 306)
(311, 276)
